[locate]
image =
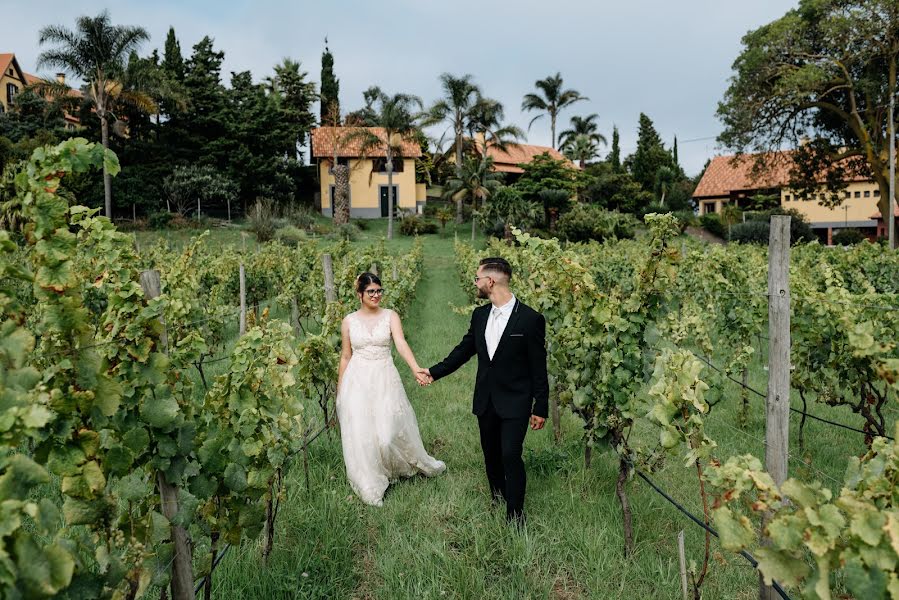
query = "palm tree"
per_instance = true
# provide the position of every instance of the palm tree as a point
(478, 181)
(665, 178)
(554, 99)
(583, 126)
(580, 148)
(397, 115)
(97, 52)
(486, 117)
(460, 95)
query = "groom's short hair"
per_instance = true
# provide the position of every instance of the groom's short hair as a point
(497, 265)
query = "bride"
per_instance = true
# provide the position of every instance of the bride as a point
(378, 429)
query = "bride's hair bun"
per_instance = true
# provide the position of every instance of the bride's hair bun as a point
(364, 280)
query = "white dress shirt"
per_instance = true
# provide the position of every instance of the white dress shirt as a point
(496, 325)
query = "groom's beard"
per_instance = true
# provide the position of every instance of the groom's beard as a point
(482, 295)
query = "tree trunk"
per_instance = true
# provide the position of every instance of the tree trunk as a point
(341, 206)
(459, 218)
(552, 118)
(390, 197)
(107, 178)
(474, 206)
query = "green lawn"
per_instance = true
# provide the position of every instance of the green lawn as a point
(441, 539)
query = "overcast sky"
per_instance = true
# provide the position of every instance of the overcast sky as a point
(671, 60)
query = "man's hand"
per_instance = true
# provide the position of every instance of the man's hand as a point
(423, 376)
(537, 422)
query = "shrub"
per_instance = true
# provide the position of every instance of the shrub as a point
(751, 232)
(345, 231)
(159, 220)
(362, 224)
(413, 225)
(261, 220)
(588, 222)
(300, 216)
(686, 218)
(712, 223)
(848, 237)
(290, 236)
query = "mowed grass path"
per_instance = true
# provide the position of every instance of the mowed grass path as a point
(440, 538)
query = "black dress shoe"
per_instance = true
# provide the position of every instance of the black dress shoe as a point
(517, 519)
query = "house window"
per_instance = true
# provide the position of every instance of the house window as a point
(709, 207)
(381, 165)
(867, 193)
(11, 91)
(858, 194)
(877, 193)
(847, 194)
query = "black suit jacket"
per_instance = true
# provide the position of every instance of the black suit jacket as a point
(516, 377)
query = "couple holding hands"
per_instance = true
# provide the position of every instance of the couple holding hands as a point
(379, 431)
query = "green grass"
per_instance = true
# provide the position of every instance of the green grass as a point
(440, 538)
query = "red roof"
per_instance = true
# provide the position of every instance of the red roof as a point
(726, 174)
(325, 138)
(507, 161)
(5, 60)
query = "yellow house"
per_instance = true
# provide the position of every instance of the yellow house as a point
(13, 80)
(368, 174)
(728, 180)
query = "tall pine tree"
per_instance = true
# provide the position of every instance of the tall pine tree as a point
(330, 90)
(615, 152)
(172, 61)
(650, 155)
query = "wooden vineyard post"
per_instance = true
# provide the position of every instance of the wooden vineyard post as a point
(682, 556)
(243, 300)
(182, 569)
(328, 266)
(777, 403)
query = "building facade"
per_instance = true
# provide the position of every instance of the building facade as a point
(368, 175)
(14, 80)
(729, 180)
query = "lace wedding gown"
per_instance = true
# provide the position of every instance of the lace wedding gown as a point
(378, 428)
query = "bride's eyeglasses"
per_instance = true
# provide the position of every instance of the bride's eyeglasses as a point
(373, 293)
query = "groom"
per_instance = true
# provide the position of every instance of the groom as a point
(511, 388)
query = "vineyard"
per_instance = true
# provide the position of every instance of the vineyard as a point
(161, 409)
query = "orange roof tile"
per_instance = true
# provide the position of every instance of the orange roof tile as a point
(324, 139)
(5, 59)
(32, 79)
(507, 161)
(726, 174)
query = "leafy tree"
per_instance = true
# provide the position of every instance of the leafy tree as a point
(615, 189)
(330, 90)
(96, 52)
(824, 71)
(543, 173)
(460, 96)
(553, 100)
(187, 188)
(477, 183)
(650, 155)
(507, 208)
(583, 126)
(398, 116)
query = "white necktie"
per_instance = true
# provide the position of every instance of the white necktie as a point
(493, 331)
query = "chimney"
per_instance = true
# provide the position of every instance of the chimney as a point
(61, 78)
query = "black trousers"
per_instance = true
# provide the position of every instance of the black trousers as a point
(502, 441)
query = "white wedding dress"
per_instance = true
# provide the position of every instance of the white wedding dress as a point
(378, 428)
